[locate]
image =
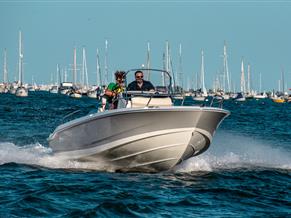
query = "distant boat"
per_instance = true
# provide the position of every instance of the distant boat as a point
(3, 88)
(198, 97)
(76, 95)
(54, 89)
(92, 93)
(65, 87)
(21, 92)
(261, 96)
(278, 99)
(12, 88)
(239, 97)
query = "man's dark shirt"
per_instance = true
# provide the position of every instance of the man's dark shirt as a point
(146, 86)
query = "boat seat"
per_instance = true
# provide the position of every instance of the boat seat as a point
(141, 101)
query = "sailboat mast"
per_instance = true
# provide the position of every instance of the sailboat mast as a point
(260, 83)
(164, 68)
(20, 61)
(242, 78)
(180, 80)
(249, 78)
(167, 59)
(148, 60)
(75, 67)
(197, 82)
(58, 74)
(202, 72)
(5, 71)
(105, 62)
(173, 75)
(84, 69)
(65, 75)
(283, 85)
(226, 71)
(98, 69)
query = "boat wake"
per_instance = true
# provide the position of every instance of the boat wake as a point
(39, 155)
(228, 151)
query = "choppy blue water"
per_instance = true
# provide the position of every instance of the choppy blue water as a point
(246, 172)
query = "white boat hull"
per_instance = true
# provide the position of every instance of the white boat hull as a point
(76, 95)
(21, 92)
(138, 139)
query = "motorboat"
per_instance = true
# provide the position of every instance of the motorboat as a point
(239, 97)
(146, 133)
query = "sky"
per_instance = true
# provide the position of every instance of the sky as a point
(257, 31)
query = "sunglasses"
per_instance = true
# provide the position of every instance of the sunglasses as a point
(139, 77)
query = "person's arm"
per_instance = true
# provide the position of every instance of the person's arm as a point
(110, 93)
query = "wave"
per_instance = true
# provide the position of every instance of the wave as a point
(228, 151)
(231, 151)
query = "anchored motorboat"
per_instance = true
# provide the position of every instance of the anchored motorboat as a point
(145, 133)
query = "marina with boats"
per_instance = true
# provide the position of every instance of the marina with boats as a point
(79, 84)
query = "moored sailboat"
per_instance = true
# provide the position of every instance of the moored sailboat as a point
(21, 91)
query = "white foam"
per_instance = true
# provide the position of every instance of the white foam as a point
(230, 151)
(29, 154)
(37, 154)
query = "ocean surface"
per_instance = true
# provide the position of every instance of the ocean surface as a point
(246, 172)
